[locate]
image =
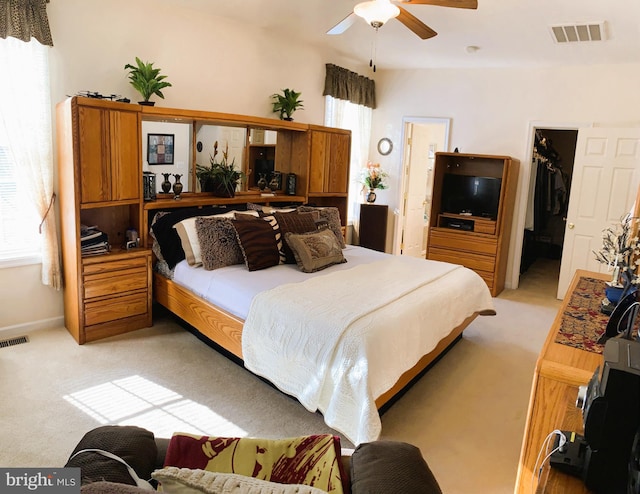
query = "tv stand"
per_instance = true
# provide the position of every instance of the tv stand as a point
(477, 242)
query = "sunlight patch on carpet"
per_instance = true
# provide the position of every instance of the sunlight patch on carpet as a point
(138, 401)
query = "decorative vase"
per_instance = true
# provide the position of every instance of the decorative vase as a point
(262, 182)
(177, 186)
(273, 184)
(371, 196)
(223, 190)
(166, 185)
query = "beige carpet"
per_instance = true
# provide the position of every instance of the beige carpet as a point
(466, 414)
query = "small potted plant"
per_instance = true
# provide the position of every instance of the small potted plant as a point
(286, 103)
(146, 80)
(220, 177)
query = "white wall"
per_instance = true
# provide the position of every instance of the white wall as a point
(491, 109)
(214, 64)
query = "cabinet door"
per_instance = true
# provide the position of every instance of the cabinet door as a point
(108, 153)
(124, 151)
(338, 166)
(95, 176)
(329, 162)
(320, 146)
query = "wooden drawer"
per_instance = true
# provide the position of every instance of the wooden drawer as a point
(110, 309)
(112, 282)
(477, 262)
(90, 267)
(463, 242)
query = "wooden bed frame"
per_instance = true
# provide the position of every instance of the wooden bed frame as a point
(225, 329)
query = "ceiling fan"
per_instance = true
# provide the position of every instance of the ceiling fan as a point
(378, 12)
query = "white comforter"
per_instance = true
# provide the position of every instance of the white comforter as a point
(337, 352)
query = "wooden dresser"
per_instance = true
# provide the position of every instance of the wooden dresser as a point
(560, 370)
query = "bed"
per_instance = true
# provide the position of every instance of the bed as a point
(344, 340)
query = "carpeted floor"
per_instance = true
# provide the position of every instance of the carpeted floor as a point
(466, 414)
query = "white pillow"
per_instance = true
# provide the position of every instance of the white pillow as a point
(186, 230)
(176, 480)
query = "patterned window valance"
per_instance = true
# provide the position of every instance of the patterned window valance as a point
(25, 19)
(344, 84)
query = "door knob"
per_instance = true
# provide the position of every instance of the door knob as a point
(571, 226)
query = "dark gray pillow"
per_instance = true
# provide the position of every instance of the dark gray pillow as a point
(381, 467)
(218, 243)
(134, 445)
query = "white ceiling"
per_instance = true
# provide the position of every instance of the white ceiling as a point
(507, 32)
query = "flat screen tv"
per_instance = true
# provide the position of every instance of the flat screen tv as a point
(479, 196)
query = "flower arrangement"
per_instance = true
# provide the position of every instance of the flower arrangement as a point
(621, 251)
(373, 177)
(220, 176)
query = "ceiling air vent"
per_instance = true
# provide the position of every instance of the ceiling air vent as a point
(572, 33)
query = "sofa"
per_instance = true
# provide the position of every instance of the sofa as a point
(378, 467)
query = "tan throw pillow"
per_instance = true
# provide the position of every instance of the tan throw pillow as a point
(332, 216)
(294, 223)
(315, 250)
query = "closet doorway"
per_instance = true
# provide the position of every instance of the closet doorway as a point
(553, 153)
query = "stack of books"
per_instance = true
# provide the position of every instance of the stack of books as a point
(93, 241)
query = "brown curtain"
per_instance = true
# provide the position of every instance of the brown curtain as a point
(344, 84)
(25, 19)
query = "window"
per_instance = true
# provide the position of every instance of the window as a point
(357, 118)
(24, 86)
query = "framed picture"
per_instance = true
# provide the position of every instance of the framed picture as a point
(160, 149)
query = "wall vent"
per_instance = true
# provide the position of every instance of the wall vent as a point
(573, 33)
(14, 341)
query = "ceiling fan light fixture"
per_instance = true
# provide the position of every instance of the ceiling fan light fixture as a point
(376, 12)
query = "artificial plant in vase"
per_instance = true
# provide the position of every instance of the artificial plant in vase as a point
(621, 252)
(286, 103)
(373, 178)
(220, 177)
(146, 80)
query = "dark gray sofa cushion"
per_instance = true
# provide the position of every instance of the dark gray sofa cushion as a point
(134, 445)
(382, 467)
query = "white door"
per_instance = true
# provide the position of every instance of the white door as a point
(603, 189)
(423, 138)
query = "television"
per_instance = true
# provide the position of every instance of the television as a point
(479, 196)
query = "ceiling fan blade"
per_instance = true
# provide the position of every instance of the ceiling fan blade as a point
(416, 25)
(460, 4)
(344, 24)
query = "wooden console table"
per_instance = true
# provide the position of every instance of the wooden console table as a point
(560, 369)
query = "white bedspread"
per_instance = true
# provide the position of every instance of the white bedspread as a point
(339, 352)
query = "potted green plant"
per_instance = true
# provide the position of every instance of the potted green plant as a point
(220, 177)
(146, 80)
(286, 103)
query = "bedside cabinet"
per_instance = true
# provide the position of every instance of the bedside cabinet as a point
(373, 226)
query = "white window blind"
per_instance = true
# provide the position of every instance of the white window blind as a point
(20, 242)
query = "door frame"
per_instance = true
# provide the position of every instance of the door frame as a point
(517, 233)
(399, 224)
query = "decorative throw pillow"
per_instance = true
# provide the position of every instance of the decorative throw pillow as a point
(294, 223)
(189, 237)
(315, 250)
(391, 466)
(218, 242)
(133, 444)
(167, 236)
(260, 242)
(186, 481)
(103, 487)
(332, 216)
(309, 460)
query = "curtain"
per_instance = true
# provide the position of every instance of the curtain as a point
(25, 113)
(25, 19)
(343, 84)
(357, 118)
